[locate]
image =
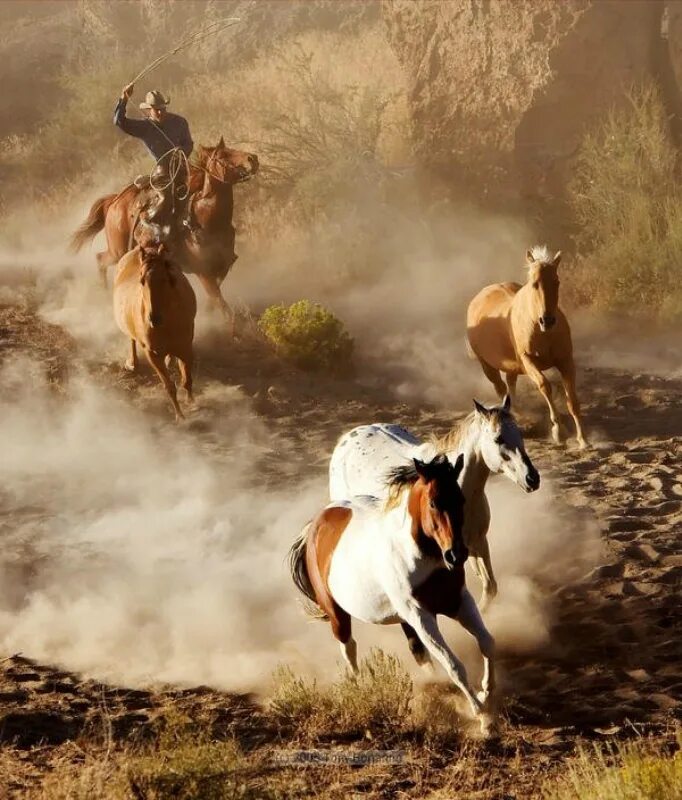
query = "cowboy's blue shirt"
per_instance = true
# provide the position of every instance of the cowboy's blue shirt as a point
(175, 128)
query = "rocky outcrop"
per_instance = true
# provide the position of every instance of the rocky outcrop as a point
(503, 90)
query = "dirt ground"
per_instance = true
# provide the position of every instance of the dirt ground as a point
(612, 669)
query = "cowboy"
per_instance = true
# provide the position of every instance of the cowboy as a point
(162, 133)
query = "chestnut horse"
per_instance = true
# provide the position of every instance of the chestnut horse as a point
(521, 330)
(211, 181)
(397, 562)
(155, 306)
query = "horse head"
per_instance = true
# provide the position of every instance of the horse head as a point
(436, 505)
(543, 280)
(502, 447)
(227, 165)
(157, 276)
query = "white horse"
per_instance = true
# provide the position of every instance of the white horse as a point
(490, 441)
(397, 562)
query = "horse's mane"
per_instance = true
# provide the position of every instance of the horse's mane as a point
(540, 252)
(397, 479)
(453, 438)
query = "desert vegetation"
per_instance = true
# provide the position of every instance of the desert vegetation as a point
(309, 336)
(357, 258)
(627, 208)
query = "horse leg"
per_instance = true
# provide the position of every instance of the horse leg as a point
(545, 389)
(469, 618)
(341, 628)
(159, 366)
(185, 367)
(484, 569)
(213, 291)
(420, 653)
(567, 372)
(426, 627)
(104, 261)
(512, 377)
(131, 363)
(493, 375)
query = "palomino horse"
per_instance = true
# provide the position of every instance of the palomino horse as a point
(521, 330)
(489, 441)
(155, 306)
(397, 562)
(212, 202)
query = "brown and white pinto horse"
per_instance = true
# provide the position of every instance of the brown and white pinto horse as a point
(211, 185)
(520, 330)
(397, 562)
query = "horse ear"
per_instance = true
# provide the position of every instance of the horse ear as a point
(459, 465)
(529, 257)
(506, 403)
(420, 467)
(221, 143)
(557, 259)
(481, 409)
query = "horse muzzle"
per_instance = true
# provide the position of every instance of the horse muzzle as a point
(532, 480)
(456, 556)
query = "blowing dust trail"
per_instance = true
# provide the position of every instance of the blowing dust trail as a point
(129, 555)
(136, 553)
(139, 552)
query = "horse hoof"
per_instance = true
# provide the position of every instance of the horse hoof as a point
(130, 367)
(556, 434)
(582, 444)
(488, 725)
(483, 697)
(427, 668)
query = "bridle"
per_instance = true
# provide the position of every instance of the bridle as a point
(226, 168)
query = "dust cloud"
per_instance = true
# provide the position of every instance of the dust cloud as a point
(129, 554)
(139, 552)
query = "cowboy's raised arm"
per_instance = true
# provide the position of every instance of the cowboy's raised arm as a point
(133, 127)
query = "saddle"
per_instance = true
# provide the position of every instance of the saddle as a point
(167, 213)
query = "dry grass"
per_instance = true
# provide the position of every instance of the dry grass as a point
(625, 772)
(181, 761)
(628, 209)
(376, 701)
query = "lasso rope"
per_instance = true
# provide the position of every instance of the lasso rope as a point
(177, 163)
(209, 30)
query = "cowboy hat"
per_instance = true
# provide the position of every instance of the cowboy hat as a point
(155, 99)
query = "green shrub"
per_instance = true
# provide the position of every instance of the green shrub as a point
(309, 336)
(639, 773)
(628, 210)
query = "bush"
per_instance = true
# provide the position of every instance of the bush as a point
(638, 773)
(628, 209)
(377, 699)
(309, 336)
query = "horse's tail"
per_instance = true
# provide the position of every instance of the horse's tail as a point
(300, 577)
(94, 222)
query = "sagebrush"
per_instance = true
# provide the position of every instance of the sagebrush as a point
(625, 772)
(627, 206)
(308, 335)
